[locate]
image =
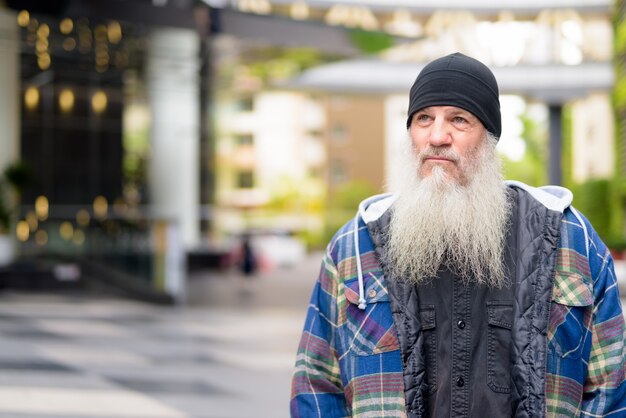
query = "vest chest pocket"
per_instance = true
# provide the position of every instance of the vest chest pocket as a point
(500, 320)
(429, 322)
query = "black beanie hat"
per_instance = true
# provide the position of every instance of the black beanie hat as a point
(461, 81)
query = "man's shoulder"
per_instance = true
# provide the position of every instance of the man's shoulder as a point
(341, 240)
(555, 198)
(369, 210)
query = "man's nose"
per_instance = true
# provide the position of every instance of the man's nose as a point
(440, 133)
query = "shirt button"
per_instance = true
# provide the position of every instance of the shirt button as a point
(372, 293)
(460, 324)
(460, 382)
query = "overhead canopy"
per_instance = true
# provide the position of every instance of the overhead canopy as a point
(549, 83)
(487, 6)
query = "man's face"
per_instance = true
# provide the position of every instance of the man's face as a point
(447, 137)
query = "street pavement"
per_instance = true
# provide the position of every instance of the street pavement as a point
(229, 352)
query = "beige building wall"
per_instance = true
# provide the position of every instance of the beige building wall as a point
(592, 141)
(355, 140)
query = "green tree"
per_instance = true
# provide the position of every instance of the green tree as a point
(531, 169)
(343, 204)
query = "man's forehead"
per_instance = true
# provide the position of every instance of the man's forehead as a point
(445, 109)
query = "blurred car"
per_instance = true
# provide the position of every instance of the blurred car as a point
(276, 248)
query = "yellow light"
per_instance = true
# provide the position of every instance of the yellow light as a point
(79, 237)
(31, 97)
(22, 231)
(66, 230)
(44, 61)
(102, 60)
(299, 10)
(66, 26)
(43, 31)
(23, 18)
(69, 44)
(31, 218)
(82, 217)
(99, 101)
(41, 207)
(100, 207)
(41, 45)
(41, 237)
(100, 33)
(66, 100)
(114, 32)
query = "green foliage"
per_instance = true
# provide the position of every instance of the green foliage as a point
(567, 153)
(370, 42)
(289, 195)
(343, 204)
(620, 37)
(349, 195)
(619, 92)
(18, 175)
(5, 210)
(531, 169)
(14, 179)
(273, 63)
(617, 240)
(593, 199)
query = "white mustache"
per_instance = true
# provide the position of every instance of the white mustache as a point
(446, 153)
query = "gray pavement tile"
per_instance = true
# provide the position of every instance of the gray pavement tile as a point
(34, 365)
(33, 334)
(173, 387)
(198, 360)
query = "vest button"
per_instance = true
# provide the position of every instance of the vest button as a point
(460, 382)
(460, 324)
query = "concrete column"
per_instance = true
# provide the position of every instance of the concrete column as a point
(10, 97)
(172, 80)
(555, 144)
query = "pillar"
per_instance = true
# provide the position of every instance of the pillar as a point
(10, 97)
(555, 144)
(173, 85)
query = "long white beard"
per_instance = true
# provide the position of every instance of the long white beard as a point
(439, 221)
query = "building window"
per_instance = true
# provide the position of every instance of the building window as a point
(244, 139)
(245, 180)
(338, 173)
(338, 133)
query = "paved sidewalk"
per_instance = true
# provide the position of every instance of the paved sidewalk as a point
(72, 357)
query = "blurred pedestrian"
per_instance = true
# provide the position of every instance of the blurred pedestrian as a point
(461, 294)
(248, 262)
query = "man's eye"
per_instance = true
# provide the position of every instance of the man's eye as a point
(422, 118)
(459, 119)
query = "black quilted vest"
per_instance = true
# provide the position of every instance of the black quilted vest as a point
(460, 360)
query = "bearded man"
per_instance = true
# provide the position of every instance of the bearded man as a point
(462, 295)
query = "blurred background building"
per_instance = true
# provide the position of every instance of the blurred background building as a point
(144, 138)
